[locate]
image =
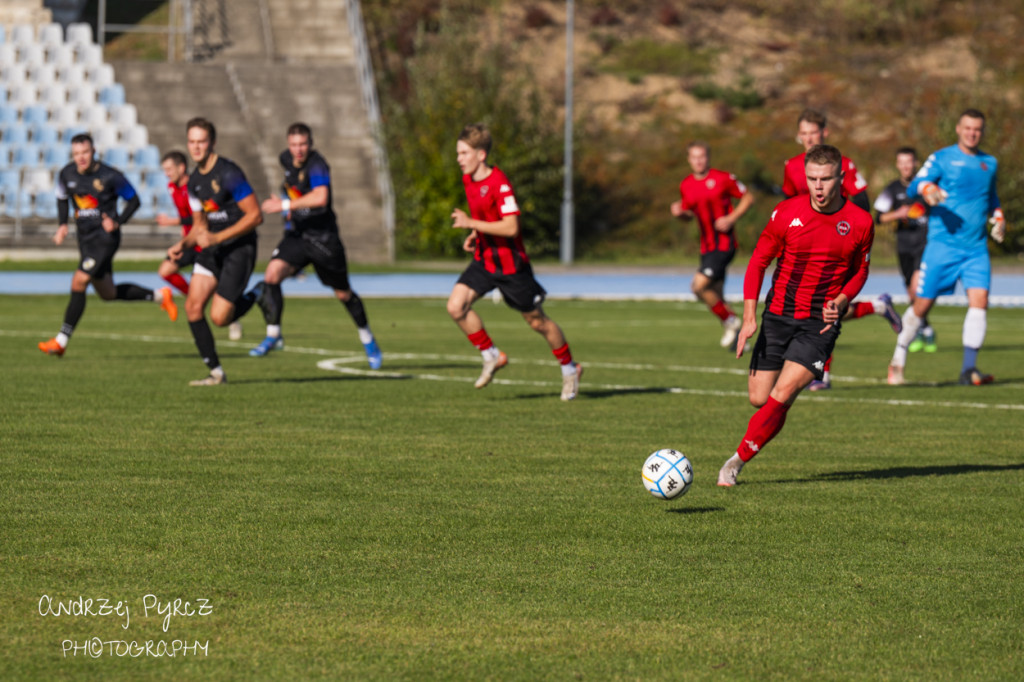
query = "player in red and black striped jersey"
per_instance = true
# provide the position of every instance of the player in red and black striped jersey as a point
(175, 167)
(94, 188)
(707, 194)
(499, 261)
(812, 129)
(822, 243)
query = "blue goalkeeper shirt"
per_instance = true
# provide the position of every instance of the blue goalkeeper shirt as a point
(970, 183)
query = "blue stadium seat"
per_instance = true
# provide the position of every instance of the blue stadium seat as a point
(14, 133)
(112, 95)
(135, 178)
(10, 180)
(45, 205)
(26, 155)
(5, 155)
(70, 132)
(8, 115)
(18, 204)
(117, 157)
(147, 210)
(147, 157)
(56, 155)
(156, 180)
(35, 114)
(45, 134)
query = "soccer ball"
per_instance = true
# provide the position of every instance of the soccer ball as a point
(667, 474)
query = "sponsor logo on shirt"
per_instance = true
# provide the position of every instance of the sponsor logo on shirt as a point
(504, 188)
(796, 222)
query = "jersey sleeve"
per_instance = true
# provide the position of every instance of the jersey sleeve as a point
(993, 195)
(507, 200)
(853, 182)
(883, 202)
(61, 188)
(735, 188)
(319, 174)
(235, 183)
(769, 245)
(931, 171)
(123, 188)
(788, 187)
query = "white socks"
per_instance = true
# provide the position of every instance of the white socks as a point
(975, 325)
(911, 323)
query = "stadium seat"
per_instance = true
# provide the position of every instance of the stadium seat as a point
(156, 180)
(37, 180)
(23, 34)
(104, 137)
(35, 114)
(23, 95)
(117, 157)
(61, 55)
(45, 205)
(100, 76)
(8, 114)
(147, 156)
(3, 93)
(10, 180)
(133, 175)
(42, 75)
(135, 137)
(147, 208)
(82, 95)
(112, 95)
(54, 97)
(51, 34)
(45, 134)
(3, 34)
(93, 117)
(56, 155)
(78, 34)
(5, 155)
(72, 75)
(31, 54)
(28, 154)
(64, 117)
(124, 116)
(89, 55)
(67, 134)
(18, 204)
(14, 133)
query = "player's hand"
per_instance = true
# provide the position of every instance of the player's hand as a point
(271, 204)
(469, 245)
(723, 224)
(746, 332)
(461, 220)
(174, 253)
(164, 220)
(998, 223)
(206, 239)
(676, 207)
(831, 313)
(932, 193)
(60, 235)
(109, 224)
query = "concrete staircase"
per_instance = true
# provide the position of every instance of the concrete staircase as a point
(298, 67)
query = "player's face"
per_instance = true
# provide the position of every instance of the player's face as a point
(82, 154)
(299, 147)
(173, 171)
(906, 164)
(969, 132)
(469, 159)
(825, 181)
(810, 134)
(698, 159)
(199, 146)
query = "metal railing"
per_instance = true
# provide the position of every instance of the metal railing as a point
(368, 91)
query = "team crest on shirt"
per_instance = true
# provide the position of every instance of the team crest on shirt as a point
(984, 166)
(97, 185)
(483, 190)
(843, 228)
(215, 185)
(302, 175)
(710, 183)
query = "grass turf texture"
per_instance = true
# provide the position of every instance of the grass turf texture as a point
(351, 525)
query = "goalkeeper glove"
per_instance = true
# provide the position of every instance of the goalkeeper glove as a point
(998, 222)
(932, 193)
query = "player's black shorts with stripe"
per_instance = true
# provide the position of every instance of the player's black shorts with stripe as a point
(521, 290)
(232, 264)
(714, 263)
(97, 248)
(910, 262)
(800, 341)
(322, 248)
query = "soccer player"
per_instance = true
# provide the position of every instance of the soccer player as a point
(959, 183)
(95, 188)
(499, 260)
(812, 129)
(707, 194)
(823, 246)
(225, 214)
(313, 238)
(175, 168)
(911, 217)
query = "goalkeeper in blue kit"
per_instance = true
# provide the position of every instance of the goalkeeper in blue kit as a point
(959, 183)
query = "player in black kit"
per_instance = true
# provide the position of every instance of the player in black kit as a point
(225, 214)
(313, 238)
(911, 218)
(95, 188)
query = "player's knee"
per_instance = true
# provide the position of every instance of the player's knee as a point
(538, 323)
(457, 309)
(344, 295)
(221, 318)
(757, 400)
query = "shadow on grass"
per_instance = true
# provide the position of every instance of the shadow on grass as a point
(694, 510)
(607, 393)
(904, 472)
(317, 379)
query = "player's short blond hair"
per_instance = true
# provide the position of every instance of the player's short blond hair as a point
(476, 136)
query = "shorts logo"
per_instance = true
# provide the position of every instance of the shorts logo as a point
(708, 272)
(843, 228)
(819, 365)
(88, 264)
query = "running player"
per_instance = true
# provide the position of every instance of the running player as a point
(499, 260)
(812, 129)
(95, 188)
(707, 194)
(823, 246)
(959, 183)
(313, 238)
(911, 217)
(225, 214)
(175, 168)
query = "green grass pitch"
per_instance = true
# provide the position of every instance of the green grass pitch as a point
(345, 524)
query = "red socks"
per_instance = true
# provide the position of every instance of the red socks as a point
(481, 340)
(762, 427)
(722, 311)
(862, 309)
(178, 282)
(563, 354)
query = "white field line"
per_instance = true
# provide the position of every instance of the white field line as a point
(340, 365)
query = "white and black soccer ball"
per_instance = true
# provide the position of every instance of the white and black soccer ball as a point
(667, 474)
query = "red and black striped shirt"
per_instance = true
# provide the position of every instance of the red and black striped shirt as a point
(820, 255)
(711, 198)
(491, 200)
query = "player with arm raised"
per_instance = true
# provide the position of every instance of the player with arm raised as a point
(822, 244)
(911, 218)
(812, 129)
(959, 183)
(225, 214)
(499, 260)
(313, 239)
(95, 187)
(707, 194)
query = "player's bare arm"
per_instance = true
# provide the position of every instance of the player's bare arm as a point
(726, 222)
(749, 328)
(61, 234)
(896, 214)
(109, 224)
(164, 220)
(679, 212)
(316, 198)
(469, 245)
(506, 227)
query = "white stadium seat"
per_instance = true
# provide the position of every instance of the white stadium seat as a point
(101, 75)
(93, 117)
(51, 34)
(104, 136)
(43, 75)
(61, 55)
(135, 138)
(8, 55)
(83, 95)
(23, 95)
(125, 116)
(64, 117)
(79, 34)
(31, 54)
(23, 34)
(89, 55)
(54, 97)
(37, 180)
(71, 75)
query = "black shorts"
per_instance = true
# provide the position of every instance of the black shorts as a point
(323, 249)
(910, 262)
(188, 257)
(231, 264)
(521, 290)
(714, 263)
(97, 248)
(799, 341)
